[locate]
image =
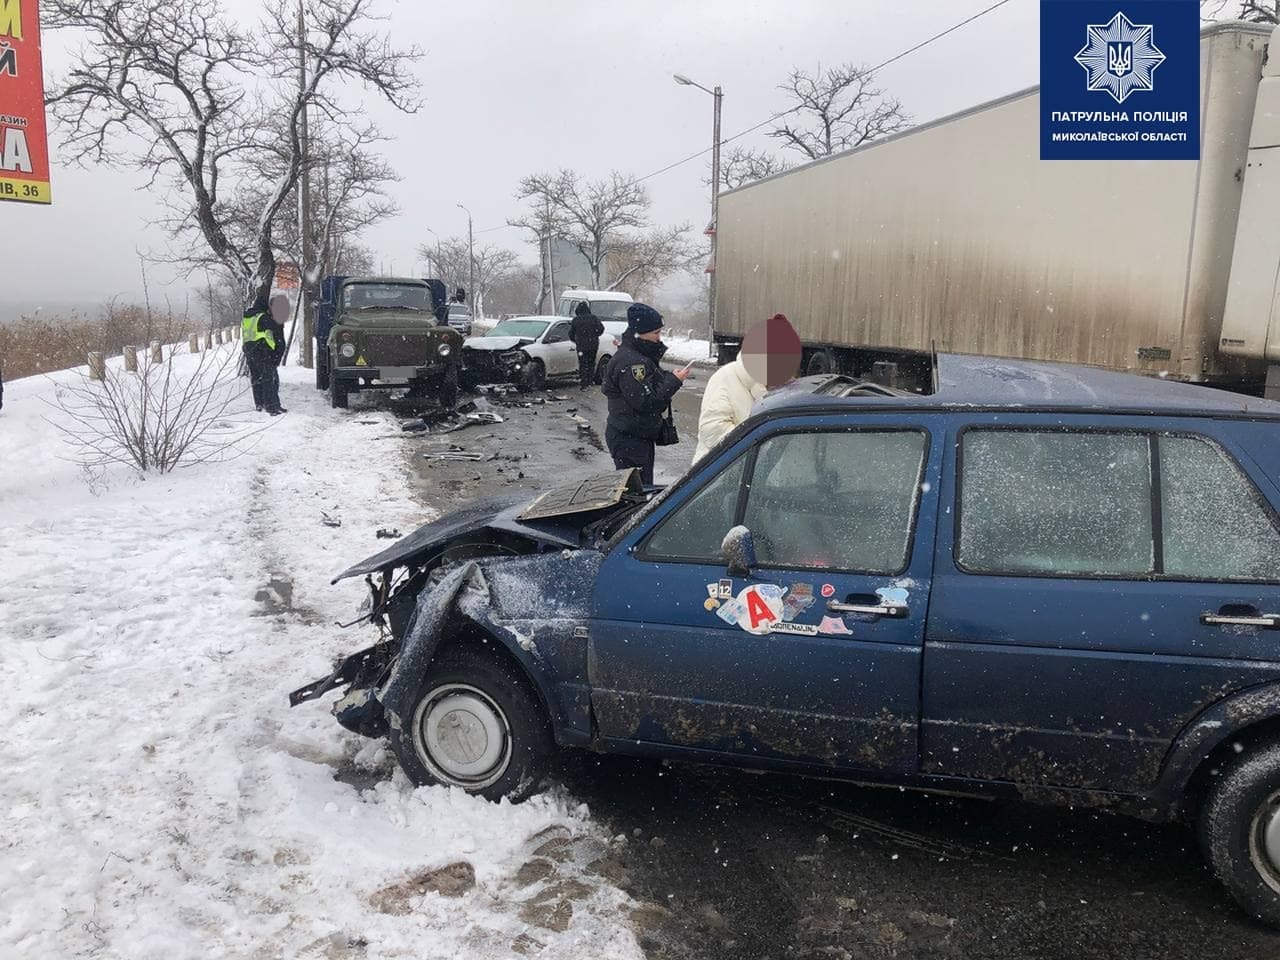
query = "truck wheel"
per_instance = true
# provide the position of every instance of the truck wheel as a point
(533, 376)
(601, 367)
(1240, 832)
(475, 724)
(322, 369)
(448, 391)
(337, 393)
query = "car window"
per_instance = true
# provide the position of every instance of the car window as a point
(832, 500)
(567, 307)
(557, 334)
(1213, 521)
(695, 530)
(610, 309)
(1056, 502)
(518, 328)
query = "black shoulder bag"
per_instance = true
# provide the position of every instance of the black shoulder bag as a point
(667, 435)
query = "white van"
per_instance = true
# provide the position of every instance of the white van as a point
(610, 306)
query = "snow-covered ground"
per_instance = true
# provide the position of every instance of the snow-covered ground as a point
(160, 799)
(685, 349)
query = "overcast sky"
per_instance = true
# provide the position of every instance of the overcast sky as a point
(515, 88)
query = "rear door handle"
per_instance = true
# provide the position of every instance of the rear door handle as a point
(1268, 621)
(895, 610)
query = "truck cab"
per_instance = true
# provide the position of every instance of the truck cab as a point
(385, 333)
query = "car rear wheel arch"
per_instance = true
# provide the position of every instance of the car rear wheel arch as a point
(1237, 743)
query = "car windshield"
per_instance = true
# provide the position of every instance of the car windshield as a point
(459, 310)
(610, 309)
(385, 296)
(531, 329)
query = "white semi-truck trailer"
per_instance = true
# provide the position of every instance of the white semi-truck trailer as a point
(955, 236)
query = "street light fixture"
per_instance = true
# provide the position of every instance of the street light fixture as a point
(437, 266)
(471, 256)
(717, 96)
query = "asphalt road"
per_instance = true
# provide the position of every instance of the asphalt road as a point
(738, 865)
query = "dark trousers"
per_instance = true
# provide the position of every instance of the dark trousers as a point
(586, 367)
(628, 451)
(264, 378)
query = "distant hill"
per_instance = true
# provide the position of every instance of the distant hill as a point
(11, 310)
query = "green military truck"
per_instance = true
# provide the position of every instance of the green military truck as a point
(377, 333)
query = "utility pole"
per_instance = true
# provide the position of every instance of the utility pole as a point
(717, 95)
(304, 206)
(471, 254)
(551, 259)
(715, 218)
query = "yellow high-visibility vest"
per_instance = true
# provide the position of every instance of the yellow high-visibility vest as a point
(249, 331)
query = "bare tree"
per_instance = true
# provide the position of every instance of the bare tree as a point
(641, 262)
(837, 109)
(199, 103)
(607, 221)
(1254, 11)
(542, 223)
(516, 292)
(741, 166)
(451, 262)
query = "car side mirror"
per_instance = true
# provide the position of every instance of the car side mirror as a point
(739, 551)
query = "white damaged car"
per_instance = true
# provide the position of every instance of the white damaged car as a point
(526, 351)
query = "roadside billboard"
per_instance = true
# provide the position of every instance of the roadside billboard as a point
(24, 147)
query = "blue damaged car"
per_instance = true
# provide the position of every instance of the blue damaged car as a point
(1038, 580)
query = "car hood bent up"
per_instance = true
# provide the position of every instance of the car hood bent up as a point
(555, 519)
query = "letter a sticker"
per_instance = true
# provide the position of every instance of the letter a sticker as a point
(761, 613)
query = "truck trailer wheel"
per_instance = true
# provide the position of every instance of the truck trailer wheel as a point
(1240, 832)
(475, 724)
(337, 393)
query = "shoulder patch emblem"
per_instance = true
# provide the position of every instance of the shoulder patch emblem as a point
(637, 371)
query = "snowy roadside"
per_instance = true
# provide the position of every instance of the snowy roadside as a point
(161, 799)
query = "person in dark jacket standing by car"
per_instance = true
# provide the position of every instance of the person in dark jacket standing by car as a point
(639, 391)
(262, 340)
(585, 333)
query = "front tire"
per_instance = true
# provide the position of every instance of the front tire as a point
(533, 376)
(337, 392)
(448, 392)
(322, 369)
(601, 367)
(475, 724)
(1240, 832)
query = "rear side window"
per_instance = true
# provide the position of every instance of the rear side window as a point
(1062, 503)
(1216, 526)
(1043, 502)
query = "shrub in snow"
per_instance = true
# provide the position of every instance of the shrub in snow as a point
(175, 410)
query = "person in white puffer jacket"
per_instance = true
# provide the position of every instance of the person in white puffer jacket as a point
(770, 356)
(727, 401)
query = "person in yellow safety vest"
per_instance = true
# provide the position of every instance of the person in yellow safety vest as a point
(262, 339)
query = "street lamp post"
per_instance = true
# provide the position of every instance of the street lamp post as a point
(471, 256)
(717, 96)
(438, 267)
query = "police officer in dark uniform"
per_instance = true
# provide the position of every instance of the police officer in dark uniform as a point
(585, 332)
(639, 391)
(262, 340)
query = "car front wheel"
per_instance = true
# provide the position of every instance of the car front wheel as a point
(475, 724)
(533, 376)
(1240, 831)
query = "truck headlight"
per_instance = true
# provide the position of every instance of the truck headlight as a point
(444, 349)
(347, 350)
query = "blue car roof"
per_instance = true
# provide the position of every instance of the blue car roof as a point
(993, 383)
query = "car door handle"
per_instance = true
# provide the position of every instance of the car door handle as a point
(1268, 621)
(895, 610)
